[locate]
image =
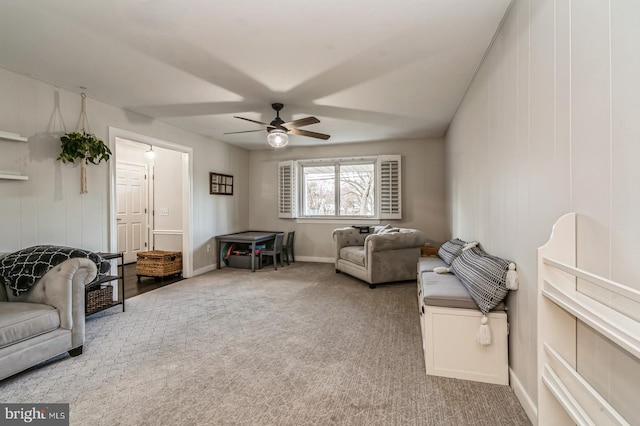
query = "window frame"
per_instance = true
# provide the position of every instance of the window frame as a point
(337, 164)
(388, 190)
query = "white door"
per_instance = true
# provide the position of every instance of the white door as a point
(131, 195)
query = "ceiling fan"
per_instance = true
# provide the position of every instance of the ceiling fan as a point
(278, 130)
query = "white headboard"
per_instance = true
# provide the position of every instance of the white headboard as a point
(564, 396)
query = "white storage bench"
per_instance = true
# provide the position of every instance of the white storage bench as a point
(449, 320)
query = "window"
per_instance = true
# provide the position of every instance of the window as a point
(340, 188)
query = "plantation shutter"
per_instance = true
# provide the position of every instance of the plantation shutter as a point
(287, 189)
(390, 195)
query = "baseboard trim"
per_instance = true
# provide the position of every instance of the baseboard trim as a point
(527, 403)
(210, 268)
(204, 270)
(316, 259)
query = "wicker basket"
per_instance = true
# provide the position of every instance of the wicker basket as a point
(98, 298)
(158, 263)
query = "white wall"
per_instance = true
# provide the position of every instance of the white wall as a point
(549, 125)
(167, 197)
(423, 191)
(48, 208)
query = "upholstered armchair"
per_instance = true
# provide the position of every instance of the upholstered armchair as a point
(46, 321)
(383, 255)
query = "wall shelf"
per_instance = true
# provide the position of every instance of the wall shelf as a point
(565, 396)
(12, 176)
(14, 137)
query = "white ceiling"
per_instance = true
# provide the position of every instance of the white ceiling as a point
(367, 69)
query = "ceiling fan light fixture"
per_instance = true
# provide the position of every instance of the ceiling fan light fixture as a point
(278, 138)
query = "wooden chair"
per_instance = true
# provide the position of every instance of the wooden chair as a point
(287, 250)
(274, 251)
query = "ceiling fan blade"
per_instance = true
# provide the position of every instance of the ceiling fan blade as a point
(309, 134)
(244, 131)
(301, 122)
(253, 121)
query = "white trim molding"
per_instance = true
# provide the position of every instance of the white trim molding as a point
(315, 259)
(204, 269)
(527, 403)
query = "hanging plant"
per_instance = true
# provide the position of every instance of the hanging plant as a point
(84, 146)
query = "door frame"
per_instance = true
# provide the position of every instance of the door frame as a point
(187, 190)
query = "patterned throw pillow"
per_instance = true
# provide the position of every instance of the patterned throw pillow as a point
(383, 228)
(20, 270)
(451, 249)
(483, 275)
(389, 231)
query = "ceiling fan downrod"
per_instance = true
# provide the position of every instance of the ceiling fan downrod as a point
(277, 122)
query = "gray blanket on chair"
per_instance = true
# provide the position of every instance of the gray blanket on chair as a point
(22, 269)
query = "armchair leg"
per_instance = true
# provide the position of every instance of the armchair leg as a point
(372, 286)
(76, 351)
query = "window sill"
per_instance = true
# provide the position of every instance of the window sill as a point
(350, 221)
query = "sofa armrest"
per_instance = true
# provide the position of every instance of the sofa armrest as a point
(406, 238)
(63, 287)
(347, 237)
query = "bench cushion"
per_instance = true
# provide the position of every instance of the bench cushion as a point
(353, 254)
(426, 264)
(20, 321)
(445, 290)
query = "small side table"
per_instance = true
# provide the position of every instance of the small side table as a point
(96, 288)
(428, 251)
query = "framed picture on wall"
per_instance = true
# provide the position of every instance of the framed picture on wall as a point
(220, 184)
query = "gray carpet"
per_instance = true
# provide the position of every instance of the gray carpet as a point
(298, 346)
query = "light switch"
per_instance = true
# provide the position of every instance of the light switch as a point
(164, 211)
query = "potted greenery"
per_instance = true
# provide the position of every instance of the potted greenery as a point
(84, 146)
(87, 148)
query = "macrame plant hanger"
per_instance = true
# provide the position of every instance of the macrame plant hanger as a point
(56, 121)
(83, 127)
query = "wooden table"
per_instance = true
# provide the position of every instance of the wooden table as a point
(247, 237)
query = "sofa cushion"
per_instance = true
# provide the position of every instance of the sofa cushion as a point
(450, 250)
(20, 321)
(483, 275)
(353, 254)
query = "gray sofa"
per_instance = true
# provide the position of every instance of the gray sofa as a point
(46, 321)
(383, 255)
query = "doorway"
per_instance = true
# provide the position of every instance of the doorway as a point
(132, 209)
(132, 239)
